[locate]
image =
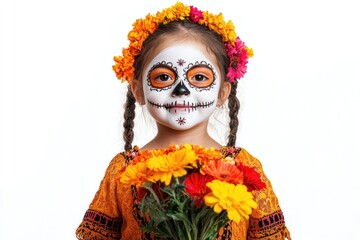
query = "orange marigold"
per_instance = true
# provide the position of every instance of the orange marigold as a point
(223, 171)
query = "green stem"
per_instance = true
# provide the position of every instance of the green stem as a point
(189, 234)
(194, 224)
(151, 190)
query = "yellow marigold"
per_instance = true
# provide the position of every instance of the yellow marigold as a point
(235, 199)
(219, 25)
(177, 12)
(249, 51)
(172, 164)
(230, 32)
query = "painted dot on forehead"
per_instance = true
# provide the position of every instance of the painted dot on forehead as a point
(181, 62)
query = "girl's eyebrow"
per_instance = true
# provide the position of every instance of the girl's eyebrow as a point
(162, 65)
(201, 65)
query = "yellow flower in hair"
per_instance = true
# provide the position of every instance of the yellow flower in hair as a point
(230, 32)
(250, 51)
(177, 12)
(234, 199)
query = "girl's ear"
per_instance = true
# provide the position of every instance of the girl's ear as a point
(223, 93)
(137, 91)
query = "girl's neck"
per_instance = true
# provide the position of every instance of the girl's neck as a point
(196, 135)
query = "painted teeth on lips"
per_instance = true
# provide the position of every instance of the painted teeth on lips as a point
(183, 105)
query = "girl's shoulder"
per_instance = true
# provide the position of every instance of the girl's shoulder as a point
(241, 155)
(121, 160)
(126, 156)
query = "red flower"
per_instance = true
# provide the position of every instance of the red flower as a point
(142, 192)
(238, 59)
(252, 178)
(195, 184)
(195, 14)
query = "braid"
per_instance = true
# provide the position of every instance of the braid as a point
(129, 115)
(234, 106)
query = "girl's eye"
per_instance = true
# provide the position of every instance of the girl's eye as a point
(161, 77)
(200, 76)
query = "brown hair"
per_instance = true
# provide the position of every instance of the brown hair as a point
(187, 29)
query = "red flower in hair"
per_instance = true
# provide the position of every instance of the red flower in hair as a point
(195, 184)
(252, 178)
(195, 14)
(238, 59)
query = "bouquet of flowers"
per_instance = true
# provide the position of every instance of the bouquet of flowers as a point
(191, 192)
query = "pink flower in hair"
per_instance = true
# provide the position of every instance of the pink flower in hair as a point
(238, 59)
(195, 14)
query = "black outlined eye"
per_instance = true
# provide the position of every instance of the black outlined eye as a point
(162, 76)
(200, 76)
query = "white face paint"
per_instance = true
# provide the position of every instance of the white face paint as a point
(181, 86)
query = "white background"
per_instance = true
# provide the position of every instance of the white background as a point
(61, 108)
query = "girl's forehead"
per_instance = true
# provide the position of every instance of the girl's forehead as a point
(187, 51)
(182, 51)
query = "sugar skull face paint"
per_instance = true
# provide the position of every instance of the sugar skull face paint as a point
(181, 86)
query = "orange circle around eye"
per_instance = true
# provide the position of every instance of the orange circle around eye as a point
(206, 76)
(161, 77)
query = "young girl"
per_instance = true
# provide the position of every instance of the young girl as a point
(181, 64)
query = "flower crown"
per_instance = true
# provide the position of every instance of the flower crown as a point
(142, 28)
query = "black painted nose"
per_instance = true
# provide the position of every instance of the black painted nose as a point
(180, 89)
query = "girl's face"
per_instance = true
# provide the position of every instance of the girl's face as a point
(181, 85)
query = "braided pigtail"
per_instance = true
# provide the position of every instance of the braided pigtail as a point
(234, 106)
(129, 115)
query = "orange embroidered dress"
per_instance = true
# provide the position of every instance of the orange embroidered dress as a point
(114, 213)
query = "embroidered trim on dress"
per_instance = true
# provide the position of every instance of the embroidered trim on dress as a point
(267, 227)
(103, 220)
(98, 226)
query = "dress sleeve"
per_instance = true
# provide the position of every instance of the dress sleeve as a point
(267, 220)
(103, 218)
